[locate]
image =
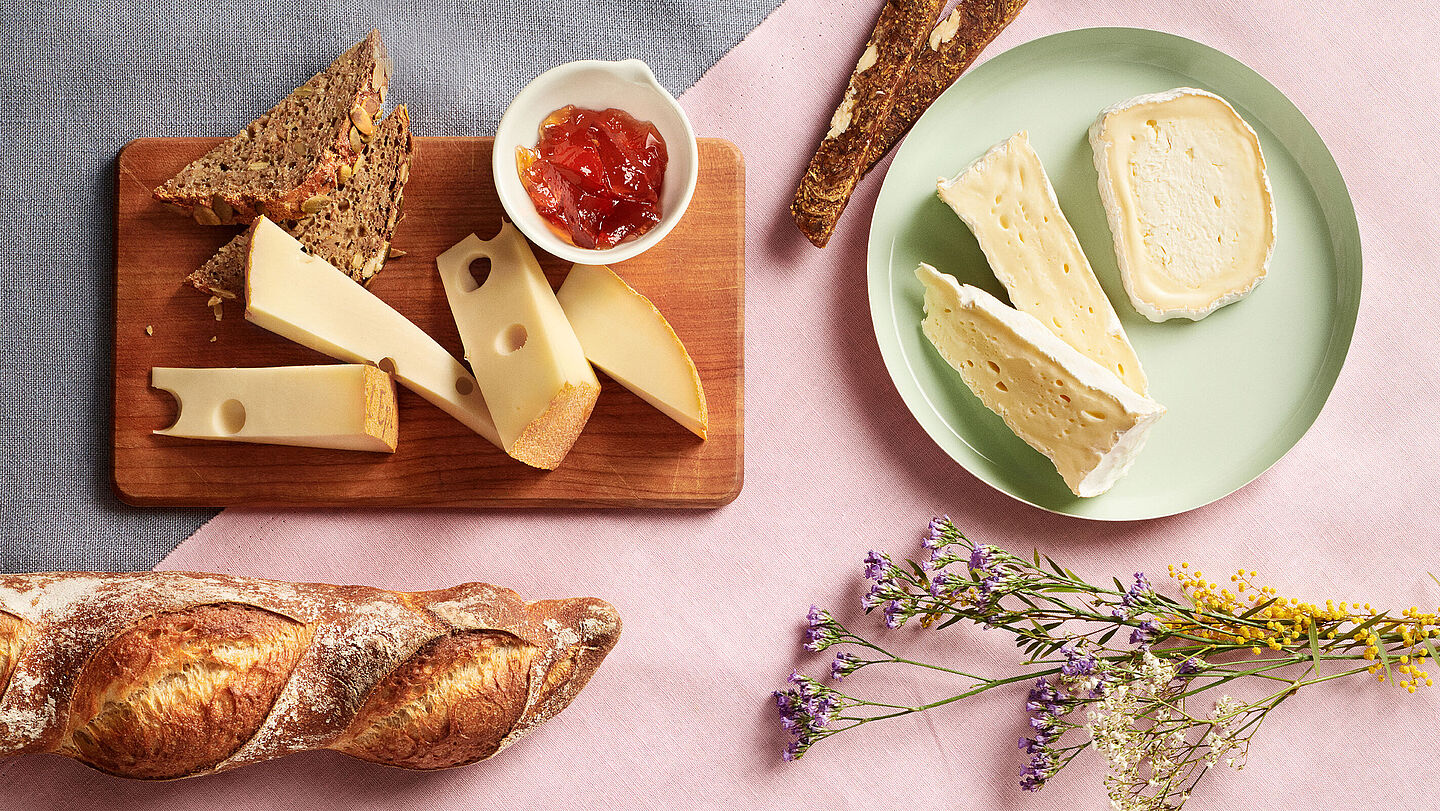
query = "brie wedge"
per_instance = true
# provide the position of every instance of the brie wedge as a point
(1008, 202)
(1189, 204)
(1063, 404)
(624, 335)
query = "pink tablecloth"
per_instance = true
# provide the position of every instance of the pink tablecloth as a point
(680, 716)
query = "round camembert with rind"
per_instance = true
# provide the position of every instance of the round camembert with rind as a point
(1184, 187)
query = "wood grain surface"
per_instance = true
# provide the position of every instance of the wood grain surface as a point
(630, 455)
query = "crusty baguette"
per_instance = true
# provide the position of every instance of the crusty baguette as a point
(287, 161)
(354, 230)
(163, 675)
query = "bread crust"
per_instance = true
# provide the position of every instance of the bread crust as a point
(248, 670)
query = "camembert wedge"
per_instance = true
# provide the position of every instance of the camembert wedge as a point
(341, 405)
(625, 336)
(305, 299)
(1189, 204)
(1008, 202)
(530, 366)
(1063, 404)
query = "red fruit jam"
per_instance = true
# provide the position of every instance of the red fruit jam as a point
(595, 175)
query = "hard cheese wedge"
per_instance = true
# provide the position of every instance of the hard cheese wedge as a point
(1188, 201)
(626, 337)
(528, 362)
(344, 406)
(304, 298)
(1065, 405)
(1008, 202)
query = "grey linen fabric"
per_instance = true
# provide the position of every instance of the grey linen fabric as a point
(80, 79)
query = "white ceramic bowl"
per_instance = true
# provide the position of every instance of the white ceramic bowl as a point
(594, 84)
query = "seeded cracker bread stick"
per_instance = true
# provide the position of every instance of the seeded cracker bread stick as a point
(897, 78)
(841, 159)
(952, 47)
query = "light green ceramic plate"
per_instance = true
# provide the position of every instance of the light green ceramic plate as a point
(1242, 386)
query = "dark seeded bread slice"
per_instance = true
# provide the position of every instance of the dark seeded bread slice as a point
(353, 232)
(286, 163)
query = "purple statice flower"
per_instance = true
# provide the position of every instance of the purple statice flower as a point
(935, 533)
(938, 583)
(877, 565)
(1189, 667)
(980, 559)
(1139, 592)
(806, 708)
(821, 631)
(1076, 662)
(844, 665)
(1145, 634)
(894, 614)
(1034, 774)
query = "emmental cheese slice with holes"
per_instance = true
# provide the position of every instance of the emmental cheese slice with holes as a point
(1185, 192)
(626, 337)
(305, 299)
(1007, 200)
(528, 362)
(343, 406)
(1065, 405)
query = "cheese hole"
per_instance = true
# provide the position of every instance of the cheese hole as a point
(1093, 416)
(1021, 234)
(994, 367)
(1067, 267)
(1065, 397)
(463, 386)
(1005, 221)
(1000, 384)
(231, 416)
(511, 339)
(1120, 367)
(1059, 382)
(1056, 322)
(476, 274)
(1217, 201)
(387, 365)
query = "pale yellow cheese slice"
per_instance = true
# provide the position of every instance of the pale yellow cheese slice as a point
(624, 335)
(1063, 404)
(1185, 192)
(305, 299)
(530, 366)
(343, 406)
(1007, 200)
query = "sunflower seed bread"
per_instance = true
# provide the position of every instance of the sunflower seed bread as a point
(285, 162)
(352, 232)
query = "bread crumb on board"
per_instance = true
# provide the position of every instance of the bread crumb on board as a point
(149, 329)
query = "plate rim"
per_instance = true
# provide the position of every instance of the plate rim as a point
(881, 289)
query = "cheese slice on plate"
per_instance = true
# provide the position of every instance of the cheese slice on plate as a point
(305, 299)
(528, 362)
(626, 337)
(344, 406)
(1063, 404)
(1008, 202)
(1189, 204)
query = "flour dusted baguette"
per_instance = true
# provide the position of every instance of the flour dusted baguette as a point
(163, 675)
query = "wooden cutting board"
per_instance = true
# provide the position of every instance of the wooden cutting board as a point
(630, 455)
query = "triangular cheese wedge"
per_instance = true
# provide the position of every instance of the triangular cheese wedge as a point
(529, 364)
(305, 299)
(627, 338)
(1007, 200)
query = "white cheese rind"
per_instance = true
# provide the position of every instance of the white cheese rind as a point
(305, 299)
(1007, 200)
(1183, 183)
(625, 336)
(531, 368)
(1087, 422)
(341, 406)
